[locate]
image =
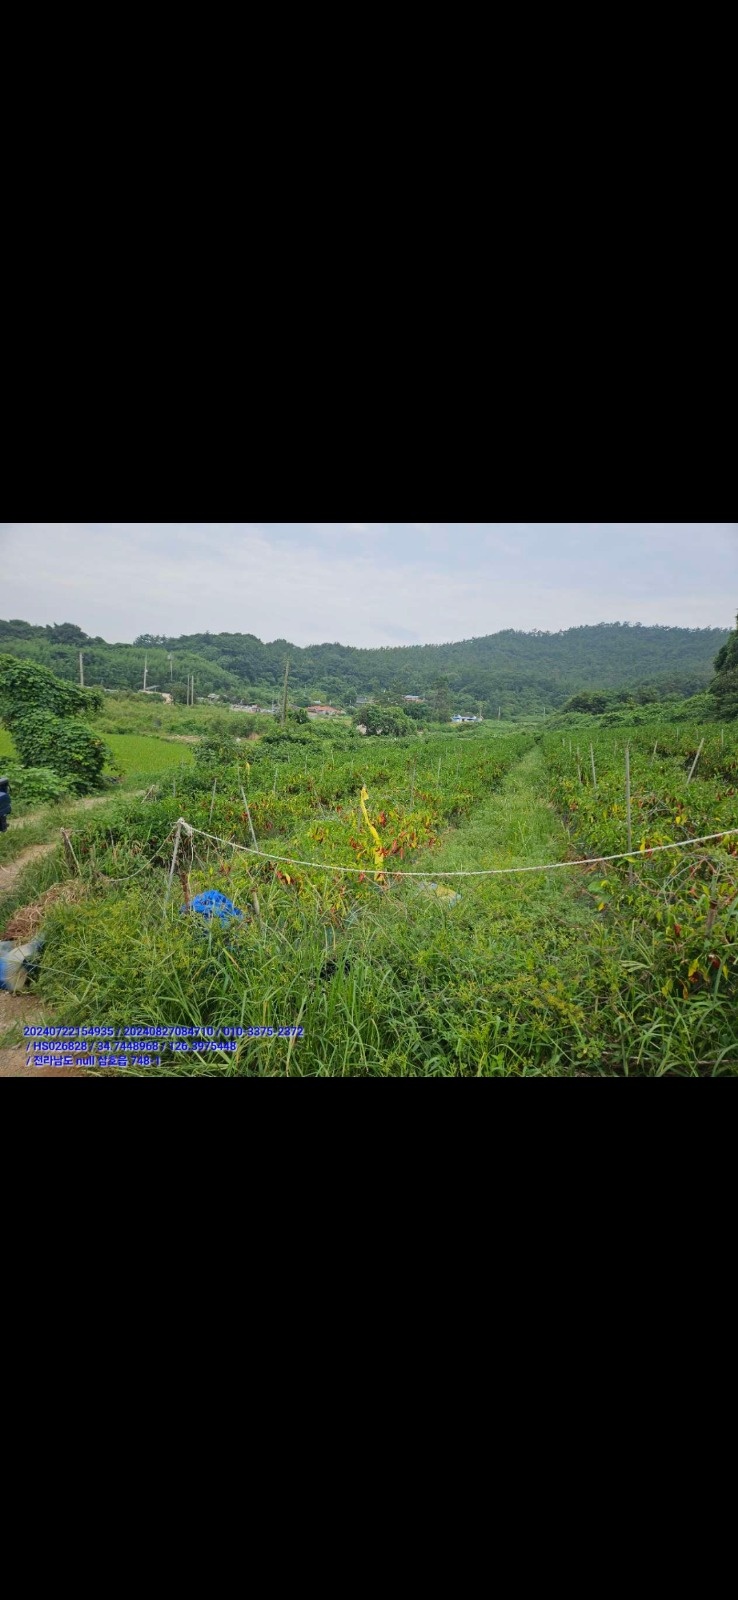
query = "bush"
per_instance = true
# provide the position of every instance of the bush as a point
(388, 721)
(218, 750)
(36, 786)
(65, 745)
(25, 687)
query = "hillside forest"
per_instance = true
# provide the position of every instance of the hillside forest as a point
(509, 673)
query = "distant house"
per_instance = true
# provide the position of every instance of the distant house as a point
(240, 707)
(416, 698)
(323, 711)
(465, 719)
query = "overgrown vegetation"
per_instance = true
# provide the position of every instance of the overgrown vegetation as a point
(601, 970)
(45, 716)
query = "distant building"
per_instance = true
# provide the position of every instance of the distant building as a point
(364, 700)
(323, 711)
(416, 698)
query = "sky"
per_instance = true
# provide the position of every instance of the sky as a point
(366, 583)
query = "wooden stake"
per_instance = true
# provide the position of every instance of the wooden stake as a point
(174, 863)
(655, 748)
(275, 779)
(212, 800)
(72, 861)
(248, 813)
(184, 879)
(627, 808)
(594, 773)
(696, 759)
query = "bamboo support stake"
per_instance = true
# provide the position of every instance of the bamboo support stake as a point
(655, 748)
(212, 800)
(627, 809)
(175, 853)
(276, 769)
(248, 813)
(594, 772)
(696, 759)
(72, 861)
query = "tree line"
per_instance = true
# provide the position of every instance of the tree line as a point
(511, 671)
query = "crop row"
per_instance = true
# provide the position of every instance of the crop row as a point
(685, 900)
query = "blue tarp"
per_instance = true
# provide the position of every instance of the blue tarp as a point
(212, 904)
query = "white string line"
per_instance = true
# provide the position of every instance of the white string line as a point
(479, 872)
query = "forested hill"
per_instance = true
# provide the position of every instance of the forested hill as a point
(519, 671)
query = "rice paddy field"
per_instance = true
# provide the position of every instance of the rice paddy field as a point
(141, 759)
(382, 917)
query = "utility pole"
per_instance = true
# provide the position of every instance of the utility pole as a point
(284, 691)
(146, 668)
(81, 672)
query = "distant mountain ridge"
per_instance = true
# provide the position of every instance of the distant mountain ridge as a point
(513, 670)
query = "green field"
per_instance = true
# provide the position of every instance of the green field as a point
(140, 757)
(134, 753)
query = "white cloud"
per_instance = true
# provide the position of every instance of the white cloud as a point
(311, 583)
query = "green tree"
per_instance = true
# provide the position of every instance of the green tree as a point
(724, 686)
(441, 699)
(384, 720)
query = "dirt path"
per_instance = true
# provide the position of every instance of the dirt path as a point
(14, 868)
(45, 812)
